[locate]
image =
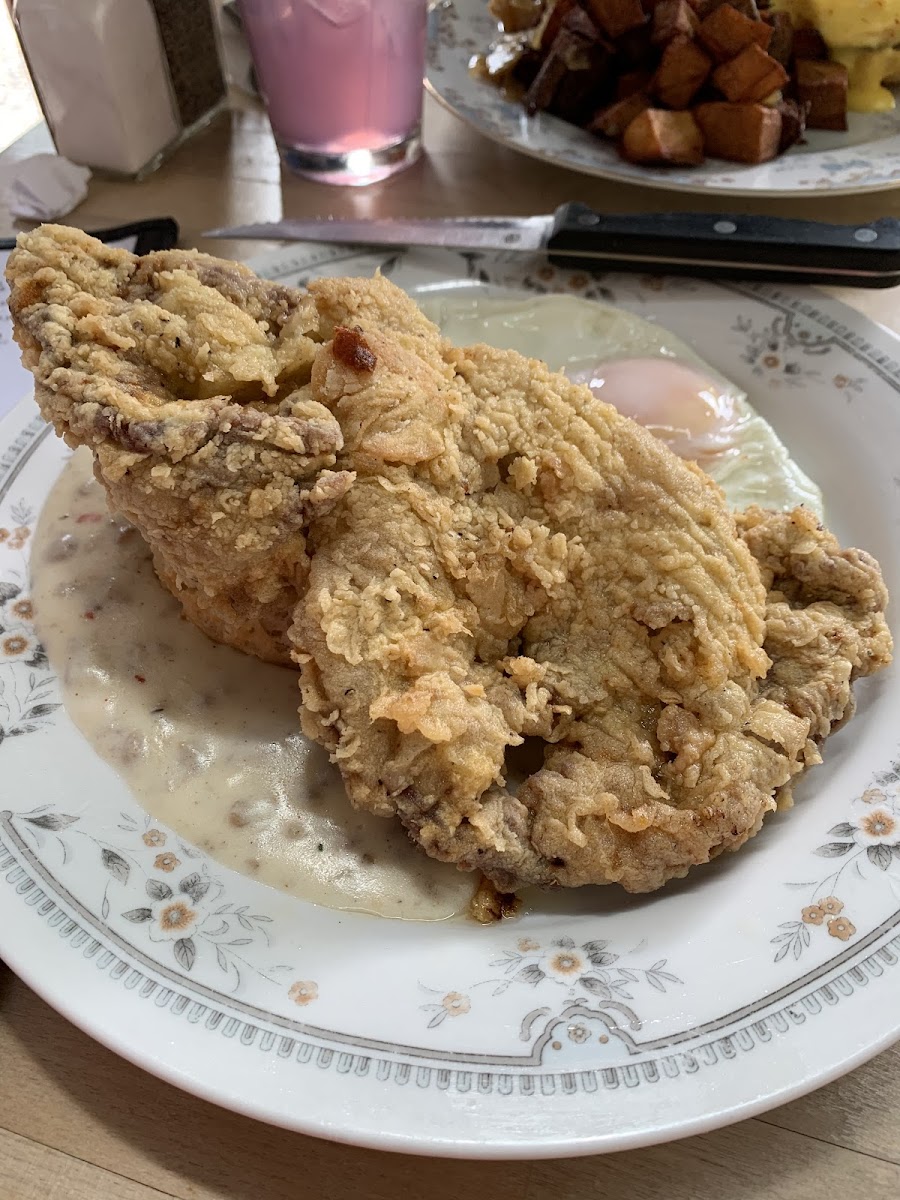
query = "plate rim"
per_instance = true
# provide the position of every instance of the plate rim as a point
(513, 1150)
(306, 1122)
(610, 175)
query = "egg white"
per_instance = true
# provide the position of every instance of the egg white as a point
(573, 335)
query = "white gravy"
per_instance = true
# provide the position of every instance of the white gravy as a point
(208, 738)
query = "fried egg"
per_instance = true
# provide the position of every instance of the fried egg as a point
(648, 374)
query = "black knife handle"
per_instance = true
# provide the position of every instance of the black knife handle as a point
(155, 233)
(726, 245)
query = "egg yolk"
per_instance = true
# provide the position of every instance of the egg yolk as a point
(674, 401)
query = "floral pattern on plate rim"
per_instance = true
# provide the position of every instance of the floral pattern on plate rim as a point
(867, 843)
(570, 1024)
(188, 911)
(593, 980)
(26, 681)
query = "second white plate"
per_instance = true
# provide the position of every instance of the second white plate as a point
(864, 159)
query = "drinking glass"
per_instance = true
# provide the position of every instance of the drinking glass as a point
(342, 82)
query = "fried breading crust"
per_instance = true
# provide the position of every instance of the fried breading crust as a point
(514, 565)
(516, 560)
(187, 378)
(824, 616)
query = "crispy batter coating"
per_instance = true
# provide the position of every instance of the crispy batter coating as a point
(479, 558)
(516, 560)
(824, 616)
(188, 378)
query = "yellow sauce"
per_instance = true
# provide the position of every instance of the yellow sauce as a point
(861, 34)
(860, 24)
(869, 70)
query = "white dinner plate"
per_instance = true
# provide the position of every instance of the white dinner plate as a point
(864, 159)
(598, 1022)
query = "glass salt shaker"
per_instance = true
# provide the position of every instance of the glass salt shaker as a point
(122, 83)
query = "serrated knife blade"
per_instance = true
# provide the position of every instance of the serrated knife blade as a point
(714, 245)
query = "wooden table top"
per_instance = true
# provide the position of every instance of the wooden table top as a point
(78, 1123)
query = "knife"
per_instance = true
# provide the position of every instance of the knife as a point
(711, 245)
(157, 233)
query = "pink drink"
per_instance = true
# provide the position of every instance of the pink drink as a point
(342, 81)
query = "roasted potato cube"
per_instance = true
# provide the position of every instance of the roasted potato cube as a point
(671, 19)
(749, 77)
(823, 86)
(578, 22)
(781, 47)
(578, 50)
(525, 70)
(585, 87)
(809, 43)
(544, 86)
(726, 32)
(793, 123)
(613, 120)
(657, 136)
(550, 24)
(633, 49)
(682, 71)
(615, 17)
(516, 15)
(631, 82)
(706, 7)
(747, 133)
(574, 78)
